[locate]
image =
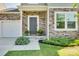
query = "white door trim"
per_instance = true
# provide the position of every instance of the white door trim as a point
(29, 21)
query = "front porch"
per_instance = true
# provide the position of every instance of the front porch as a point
(37, 27)
(34, 21)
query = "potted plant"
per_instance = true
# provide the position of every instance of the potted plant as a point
(27, 32)
(40, 32)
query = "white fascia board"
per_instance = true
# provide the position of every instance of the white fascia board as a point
(10, 12)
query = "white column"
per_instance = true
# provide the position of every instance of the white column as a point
(48, 23)
(21, 22)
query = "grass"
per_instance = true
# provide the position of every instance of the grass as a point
(45, 50)
(67, 51)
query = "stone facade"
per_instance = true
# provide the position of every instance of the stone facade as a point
(9, 16)
(42, 19)
(52, 31)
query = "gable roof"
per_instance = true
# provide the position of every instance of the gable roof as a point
(11, 10)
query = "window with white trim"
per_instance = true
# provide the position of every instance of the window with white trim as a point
(65, 21)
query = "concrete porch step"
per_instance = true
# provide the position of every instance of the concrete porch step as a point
(37, 37)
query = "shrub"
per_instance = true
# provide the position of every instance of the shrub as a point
(61, 41)
(22, 41)
(26, 32)
(69, 51)
(73, 44)
(76, 41)
(40, 32)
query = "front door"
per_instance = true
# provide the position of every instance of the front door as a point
(32, 25)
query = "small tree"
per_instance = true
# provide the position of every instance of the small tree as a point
(75, 5)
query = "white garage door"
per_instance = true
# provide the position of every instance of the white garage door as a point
(10, 28)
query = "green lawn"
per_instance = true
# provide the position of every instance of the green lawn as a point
(46, 50)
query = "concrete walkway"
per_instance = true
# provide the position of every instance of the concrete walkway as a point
(33, 45)
(8, 44)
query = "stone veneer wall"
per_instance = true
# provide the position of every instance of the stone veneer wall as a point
(42, 19)
(9, 16)
(54, 33)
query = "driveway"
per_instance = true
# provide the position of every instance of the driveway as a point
(8, 44)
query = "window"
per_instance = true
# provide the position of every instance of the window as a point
(60, 20)
(65, 21)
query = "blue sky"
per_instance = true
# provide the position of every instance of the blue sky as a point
(12, 5)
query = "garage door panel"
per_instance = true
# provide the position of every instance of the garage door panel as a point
(11, 28)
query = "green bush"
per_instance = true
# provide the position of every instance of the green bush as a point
(40, 32)
(62, 41)
(76, 41)
(72, 44)
(26, 32)
(22, 41)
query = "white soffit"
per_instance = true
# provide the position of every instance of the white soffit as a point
(34, 8)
